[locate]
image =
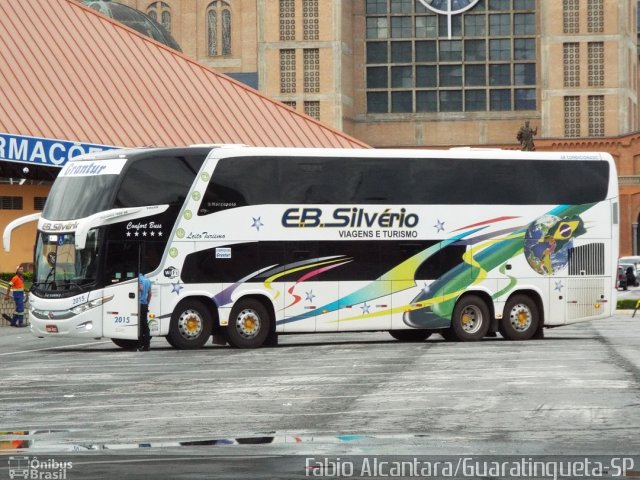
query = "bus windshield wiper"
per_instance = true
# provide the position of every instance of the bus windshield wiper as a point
(51, 272)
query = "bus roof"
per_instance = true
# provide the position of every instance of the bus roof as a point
(227, 151)
(458, 152)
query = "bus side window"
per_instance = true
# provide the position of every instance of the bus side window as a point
(379, 185)
(139, 185)
(440, 263)
(219, 197)
(320, 194)
(121, 261)
(301, 254)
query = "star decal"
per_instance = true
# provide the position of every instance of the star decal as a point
(144, 233)
(558, 286)
(257, 223)
(439, 226)
(310, 296)
(365, 308)
(176, 287)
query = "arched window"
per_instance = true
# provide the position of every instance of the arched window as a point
(212, 32)
(226, 32)
(166, 20)
(219, 28)
(160, 12)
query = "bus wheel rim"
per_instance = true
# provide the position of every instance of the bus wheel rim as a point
(190, 324)
(471, 319)
(248, 323)
(520, 317)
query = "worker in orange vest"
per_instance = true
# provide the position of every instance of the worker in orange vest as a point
(17, 288)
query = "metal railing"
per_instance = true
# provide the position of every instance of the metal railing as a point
(626, 180)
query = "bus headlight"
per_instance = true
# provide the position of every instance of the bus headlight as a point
(92, 304)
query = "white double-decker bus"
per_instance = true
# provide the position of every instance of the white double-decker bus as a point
(248, 243)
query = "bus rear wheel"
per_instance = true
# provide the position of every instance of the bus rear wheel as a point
(249, 324)
(521, 319)
(470, 321)
(191, 325)
(413, 335)
(126, 344)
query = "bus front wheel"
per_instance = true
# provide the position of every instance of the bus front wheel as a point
(413, 335)
(520, 319)
(249, 324)
(471, 318)
(191, 325)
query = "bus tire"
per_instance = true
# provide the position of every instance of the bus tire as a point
(249, 324)
(126, 344)
(191, 325)
(471, 319)
(521, 318)
(413, 335)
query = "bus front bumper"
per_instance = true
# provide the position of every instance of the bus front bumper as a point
(66, 324)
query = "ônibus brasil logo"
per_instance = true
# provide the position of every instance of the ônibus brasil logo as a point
(38, 468)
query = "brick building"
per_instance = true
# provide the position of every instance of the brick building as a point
(411, 73)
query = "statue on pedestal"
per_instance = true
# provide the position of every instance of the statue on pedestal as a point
(525, 137)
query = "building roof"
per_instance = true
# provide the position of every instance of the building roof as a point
(68, 72)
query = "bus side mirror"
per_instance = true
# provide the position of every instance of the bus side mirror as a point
(11, 226)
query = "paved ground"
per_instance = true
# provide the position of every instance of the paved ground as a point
(575, 392)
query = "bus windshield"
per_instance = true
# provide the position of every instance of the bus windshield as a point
(78, 197)
(59, 266)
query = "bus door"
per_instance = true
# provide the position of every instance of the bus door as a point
(121, 269)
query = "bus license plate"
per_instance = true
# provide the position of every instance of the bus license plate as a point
(52, 328)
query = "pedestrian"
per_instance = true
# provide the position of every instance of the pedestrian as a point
(144, 336)
(16, 286)
(631, 276)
